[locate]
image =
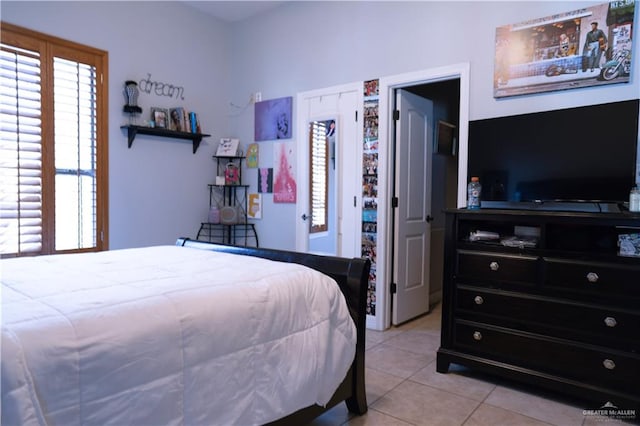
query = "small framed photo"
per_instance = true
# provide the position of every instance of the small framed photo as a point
(160, 117)
(177, 120)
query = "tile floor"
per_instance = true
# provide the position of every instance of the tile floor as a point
(403, 388)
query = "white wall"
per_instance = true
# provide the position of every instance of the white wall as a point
(303, 46)
(158, 188)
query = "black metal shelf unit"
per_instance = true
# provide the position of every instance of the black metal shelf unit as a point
(231, 200)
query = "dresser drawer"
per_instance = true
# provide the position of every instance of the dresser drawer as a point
(556, 317)
(593, 277)
(497, 267)
(585, 363)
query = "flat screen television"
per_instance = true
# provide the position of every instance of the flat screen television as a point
(574, 157)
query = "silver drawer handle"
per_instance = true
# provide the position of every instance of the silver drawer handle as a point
(477, 335)
(479, 300)
(609, 364)
(592, 277)
(610, 322)
(494, 266)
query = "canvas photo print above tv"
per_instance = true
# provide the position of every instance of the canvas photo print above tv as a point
(583, 154)
(576, 49)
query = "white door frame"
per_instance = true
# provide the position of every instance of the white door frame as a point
(387, 85)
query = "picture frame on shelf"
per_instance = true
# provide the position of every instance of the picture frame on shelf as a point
(160, 117)
(228, 147)
(177, 120)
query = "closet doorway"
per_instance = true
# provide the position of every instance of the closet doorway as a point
(448, 89)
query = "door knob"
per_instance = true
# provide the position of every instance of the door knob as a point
(592, 277)
(429, 219)
(305, 217)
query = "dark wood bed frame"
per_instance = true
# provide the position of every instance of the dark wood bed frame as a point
(352, 275)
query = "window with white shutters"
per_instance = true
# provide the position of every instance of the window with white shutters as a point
(319, 145)
(53, 150)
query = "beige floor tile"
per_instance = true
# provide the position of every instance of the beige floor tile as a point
(424, 405)
(429, 321)
(488, 415)
(458, 381)
(379, 383)
(533, 405)
(376, 418)
(395, 361)
(423, 342)
(375, 337)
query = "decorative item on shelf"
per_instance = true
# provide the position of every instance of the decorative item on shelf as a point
(214, 214)
(228, 147)
(160, 116)
(229, 215)
(131, 95)
(220, 180)
(232, 174)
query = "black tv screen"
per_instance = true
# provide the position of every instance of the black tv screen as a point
(578, 154)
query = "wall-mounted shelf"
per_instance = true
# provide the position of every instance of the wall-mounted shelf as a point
(132, 131)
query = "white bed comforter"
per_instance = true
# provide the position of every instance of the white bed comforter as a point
(168, 336)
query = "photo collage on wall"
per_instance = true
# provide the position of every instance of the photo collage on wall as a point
(370, 187)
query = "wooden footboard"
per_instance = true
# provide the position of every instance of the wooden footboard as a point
(352, 275)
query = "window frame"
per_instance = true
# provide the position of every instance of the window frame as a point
(49, 47)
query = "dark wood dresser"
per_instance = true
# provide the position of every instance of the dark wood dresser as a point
(558, 307)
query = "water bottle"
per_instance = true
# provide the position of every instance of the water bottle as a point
(474, 190)
(634, 200)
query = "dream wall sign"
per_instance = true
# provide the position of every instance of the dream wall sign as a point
(585, 47)
(273, 119)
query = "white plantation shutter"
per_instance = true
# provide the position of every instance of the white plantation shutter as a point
(54, 155)
(319, 176)
(75, 149)
(20, 152)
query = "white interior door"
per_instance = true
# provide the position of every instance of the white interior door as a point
(412, 228)
(339, 103)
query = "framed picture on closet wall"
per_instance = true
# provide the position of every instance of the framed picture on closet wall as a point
(445, 138)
